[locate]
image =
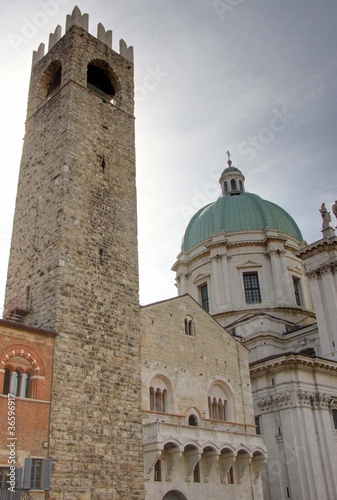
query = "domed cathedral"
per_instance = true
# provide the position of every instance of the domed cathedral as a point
(238, 260)
(244, 260)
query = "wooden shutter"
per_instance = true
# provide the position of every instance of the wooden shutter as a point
(46, 474)
(27, 474)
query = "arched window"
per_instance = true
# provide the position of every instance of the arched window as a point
(164, 400)
(152, 400)
(25, 385)
(225, 187)
(17, 383)
(24, 372)
(241, 186)
(158, 399)
(7, 380)
(193, 421)
(189, 326)
(220, 402)
(159, 405)
(196, 473)
(100, 79)
(160, 394)
(51, 79)
(233, 185)
(157, 471)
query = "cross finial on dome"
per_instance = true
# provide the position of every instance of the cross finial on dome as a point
(229, 162)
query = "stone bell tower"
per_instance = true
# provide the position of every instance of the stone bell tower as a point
(73, 262)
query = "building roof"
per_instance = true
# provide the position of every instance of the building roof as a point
(235, 213)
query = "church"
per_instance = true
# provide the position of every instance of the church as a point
(227, 390)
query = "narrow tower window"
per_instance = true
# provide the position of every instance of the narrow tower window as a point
(55, 81)
(233, 185)
(51, 79)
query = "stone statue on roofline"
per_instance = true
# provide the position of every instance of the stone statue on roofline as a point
(326, 217)
(334, 209)
(327, 230)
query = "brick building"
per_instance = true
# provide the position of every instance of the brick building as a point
(26, 359)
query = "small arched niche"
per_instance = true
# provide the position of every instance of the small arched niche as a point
(101, 79)
(51, 79)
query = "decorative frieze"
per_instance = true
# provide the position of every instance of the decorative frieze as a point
(266, 403)
(314, 398)
(283, 399)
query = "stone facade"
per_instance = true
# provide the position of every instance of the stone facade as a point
(294, 397)
(188, 363)
(320, 260)
(73, 260)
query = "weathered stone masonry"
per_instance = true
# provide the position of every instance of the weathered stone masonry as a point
(73, 263)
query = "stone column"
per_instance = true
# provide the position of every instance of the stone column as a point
(215, 283)
(276, 273)
(226, 285)
(324, 293)
(181, 284)
(286, 282)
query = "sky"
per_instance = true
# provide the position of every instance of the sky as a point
(255, 77)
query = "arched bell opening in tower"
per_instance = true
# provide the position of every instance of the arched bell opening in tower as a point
(101, 80)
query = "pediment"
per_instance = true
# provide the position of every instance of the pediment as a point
(296, 270)
(201, 277)
(249, 264)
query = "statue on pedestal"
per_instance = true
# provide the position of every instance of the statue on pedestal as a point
(326, 217)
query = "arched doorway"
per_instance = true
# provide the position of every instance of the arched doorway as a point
(174, 495)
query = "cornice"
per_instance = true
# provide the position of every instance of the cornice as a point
(292, 361)
(322, 270)
(211, 245)
(327, 244)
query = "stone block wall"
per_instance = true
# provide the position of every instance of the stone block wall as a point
(74, 245)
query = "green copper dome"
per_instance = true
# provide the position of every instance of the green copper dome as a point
(235, 213)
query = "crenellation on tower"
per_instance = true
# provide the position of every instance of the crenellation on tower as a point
(104, 36)
(38, 54)
(76, 18)
(55, 37)
(125, 51)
